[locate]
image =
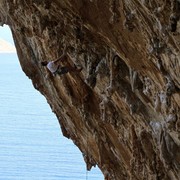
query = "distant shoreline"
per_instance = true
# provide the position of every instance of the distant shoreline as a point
(4, 53)
(6, 47)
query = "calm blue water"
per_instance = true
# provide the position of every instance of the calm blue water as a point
(31, 144)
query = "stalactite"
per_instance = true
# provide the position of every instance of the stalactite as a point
(114, 9)
(133, 79)
(157, 103)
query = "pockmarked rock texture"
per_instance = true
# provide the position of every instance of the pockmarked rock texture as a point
(123, 109)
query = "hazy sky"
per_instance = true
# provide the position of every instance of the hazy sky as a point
(5, 33)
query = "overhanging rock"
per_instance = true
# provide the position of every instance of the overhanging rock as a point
(122, 110)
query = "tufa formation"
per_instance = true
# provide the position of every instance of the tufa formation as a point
(123, 109)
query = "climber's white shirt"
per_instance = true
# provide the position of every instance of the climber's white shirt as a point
(52, 66)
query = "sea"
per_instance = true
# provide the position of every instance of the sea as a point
(32, 146)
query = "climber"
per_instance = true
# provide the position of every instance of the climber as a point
(55, 68)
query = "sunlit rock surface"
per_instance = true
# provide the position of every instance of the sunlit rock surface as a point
(123, 109)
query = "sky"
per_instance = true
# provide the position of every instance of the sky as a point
(6, 40)
(5, 33)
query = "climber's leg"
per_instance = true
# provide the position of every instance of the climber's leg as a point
(66, 69)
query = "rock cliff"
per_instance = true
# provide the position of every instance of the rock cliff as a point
(123, 109)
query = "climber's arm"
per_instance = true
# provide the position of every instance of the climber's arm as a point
(62, 58)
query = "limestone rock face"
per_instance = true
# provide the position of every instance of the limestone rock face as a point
(123, 109)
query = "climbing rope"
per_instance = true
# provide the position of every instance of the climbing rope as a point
(86, 115)
(87, 155)
(86, 174)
